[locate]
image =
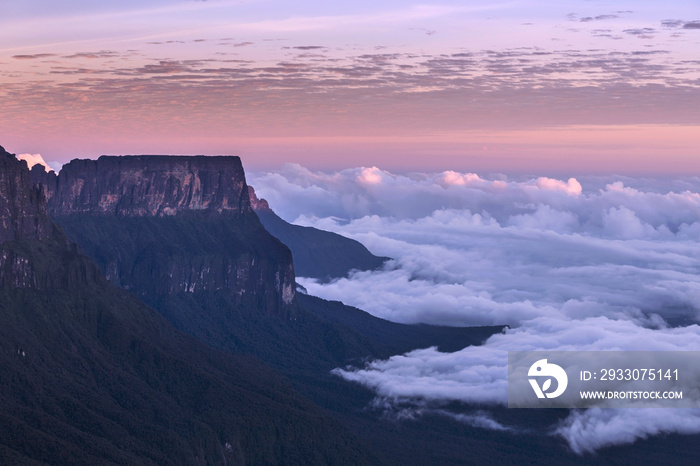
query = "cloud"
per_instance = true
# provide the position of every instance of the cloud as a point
(33, 56)
(588, 19)
(34, 159)
(593, 429)
(94, 55)
(480, 419)
(642, 33)
(165, 67)
(672, 23)
(600, 263)
(428, 32)
(678, 23)
(477, 375)
(354, 93)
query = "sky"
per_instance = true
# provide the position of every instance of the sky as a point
(545, 87)
(593, 263)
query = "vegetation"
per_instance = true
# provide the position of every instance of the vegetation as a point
(89, 374)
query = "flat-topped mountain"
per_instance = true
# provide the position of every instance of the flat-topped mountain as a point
(91, 375)
(158, 225)
(149, 185)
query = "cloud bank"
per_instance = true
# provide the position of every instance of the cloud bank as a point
(575, 264)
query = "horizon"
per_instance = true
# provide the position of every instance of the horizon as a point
(667, 181)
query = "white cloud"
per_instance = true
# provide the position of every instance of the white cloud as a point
(34, 159)
(610, 264)
(592, 429)
(478, 375)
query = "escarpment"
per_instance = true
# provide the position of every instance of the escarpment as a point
(158, 225)
(34, 254)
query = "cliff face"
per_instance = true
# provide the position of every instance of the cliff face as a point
(158, 225)
(33, 253)
(149, 186)
(22, 209)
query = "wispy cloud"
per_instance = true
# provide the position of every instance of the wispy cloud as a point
(33, 56)
(679, 23)
(95, 55)
(588, 19)
(467, 89)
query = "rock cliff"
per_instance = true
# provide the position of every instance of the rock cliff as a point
(22, 210)
(158, 225)
(149, 186)
(26, 232)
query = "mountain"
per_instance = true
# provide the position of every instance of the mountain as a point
(159, 225)
(317, 253)
(121, 231)
(91, 375)
(146, 220)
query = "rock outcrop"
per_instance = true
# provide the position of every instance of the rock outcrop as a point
(158, 225)
(149, 186)
(22, 209)
(27, 232)
(257, 204)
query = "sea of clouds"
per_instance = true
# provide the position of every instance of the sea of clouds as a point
(587, 263)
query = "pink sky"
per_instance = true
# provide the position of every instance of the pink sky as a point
(513, 87)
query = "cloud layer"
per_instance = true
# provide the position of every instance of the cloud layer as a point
(474, 251)
(576, 264)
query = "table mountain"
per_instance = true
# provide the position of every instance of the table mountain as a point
(163, 224)
(91, 375)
